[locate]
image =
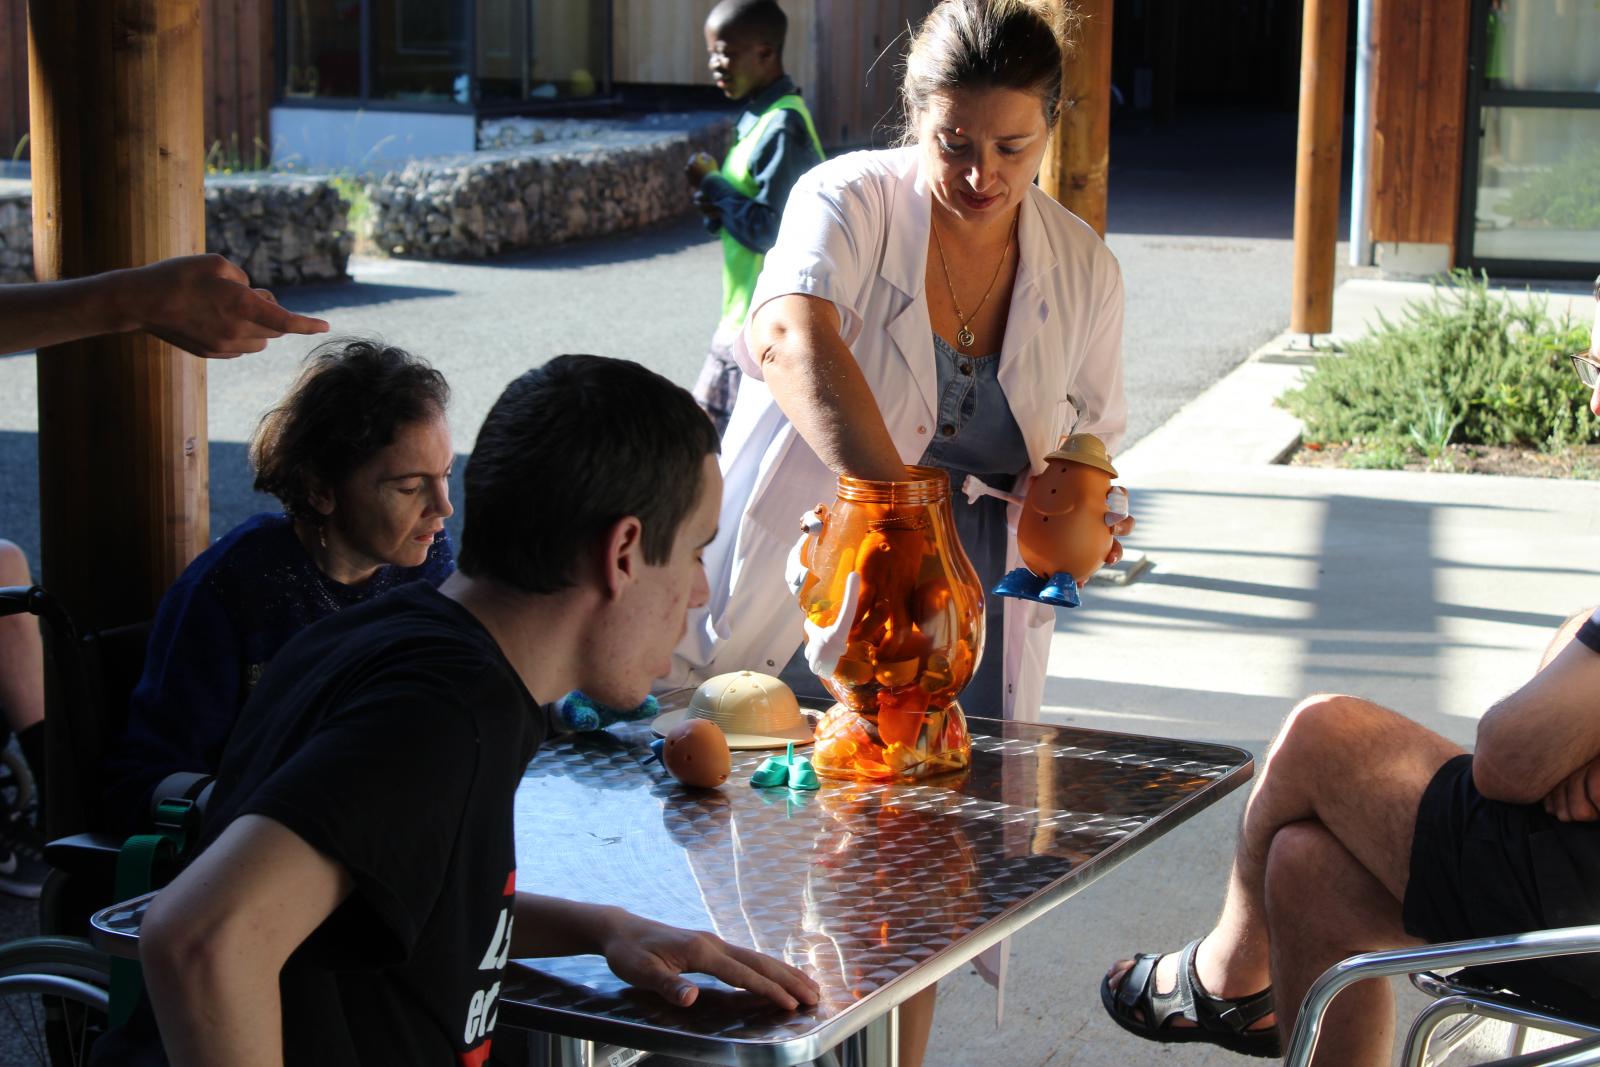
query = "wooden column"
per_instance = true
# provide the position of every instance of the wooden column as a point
(1074, 170)
(118, 169)
(1316, 188)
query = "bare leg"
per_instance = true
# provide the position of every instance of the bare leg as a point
(21, 651)
(1323, 906)
(1353, 767)
(916, 1021)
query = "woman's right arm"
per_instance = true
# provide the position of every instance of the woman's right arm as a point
(818, 385)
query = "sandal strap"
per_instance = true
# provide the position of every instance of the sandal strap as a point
(1139, 981)
(1237, 1014)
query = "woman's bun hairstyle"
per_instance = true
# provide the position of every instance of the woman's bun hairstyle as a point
(988, 44)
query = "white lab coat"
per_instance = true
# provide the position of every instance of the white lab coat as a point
(855, 232)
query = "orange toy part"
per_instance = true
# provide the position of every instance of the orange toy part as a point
(1063, 525)
(914, 635)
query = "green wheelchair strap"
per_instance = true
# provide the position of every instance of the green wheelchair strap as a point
(142, 858)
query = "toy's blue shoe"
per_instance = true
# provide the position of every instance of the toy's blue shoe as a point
(577, 713)
(1061, 591)
(1020, 583)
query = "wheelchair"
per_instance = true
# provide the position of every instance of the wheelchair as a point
(55, 988)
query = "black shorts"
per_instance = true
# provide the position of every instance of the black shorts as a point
(1480, 868)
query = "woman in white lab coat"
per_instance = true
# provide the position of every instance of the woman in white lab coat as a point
(925, 304)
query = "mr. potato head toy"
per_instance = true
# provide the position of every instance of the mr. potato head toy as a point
(1065, 532)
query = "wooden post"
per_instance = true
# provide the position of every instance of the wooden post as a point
(1316, 184)
(1074, 170)
(118, 172)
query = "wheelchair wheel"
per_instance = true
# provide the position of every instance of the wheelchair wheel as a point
(53, 1000)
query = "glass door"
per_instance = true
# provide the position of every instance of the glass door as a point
(1531, 176)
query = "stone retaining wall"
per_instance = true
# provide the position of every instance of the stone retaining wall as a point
(626, 176)
(559, 180)
(281, 229)
(16, 233)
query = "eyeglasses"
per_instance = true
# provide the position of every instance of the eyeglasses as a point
(1588, 370)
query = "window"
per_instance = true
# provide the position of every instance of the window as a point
(1531, 196)
(445, 53)
(322, 48)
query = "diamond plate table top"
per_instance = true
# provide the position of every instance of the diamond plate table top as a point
(875, 889)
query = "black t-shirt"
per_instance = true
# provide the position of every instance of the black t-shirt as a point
(391, 737)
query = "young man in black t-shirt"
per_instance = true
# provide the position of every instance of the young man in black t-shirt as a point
(357, 900)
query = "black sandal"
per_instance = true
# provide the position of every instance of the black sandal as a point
(1217, 1020)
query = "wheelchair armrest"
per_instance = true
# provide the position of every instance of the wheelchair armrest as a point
(193, 786)
(1570, 941)
(91, 856)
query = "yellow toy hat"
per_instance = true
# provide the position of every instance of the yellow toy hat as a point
(754, 710)
(1084, 448)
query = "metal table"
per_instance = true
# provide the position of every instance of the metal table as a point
(876, 890)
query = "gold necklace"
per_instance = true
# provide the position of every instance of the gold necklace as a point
(964, 336)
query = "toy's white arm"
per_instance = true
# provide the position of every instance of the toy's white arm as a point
(974, 487)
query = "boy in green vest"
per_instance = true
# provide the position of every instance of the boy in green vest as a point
(774, 143)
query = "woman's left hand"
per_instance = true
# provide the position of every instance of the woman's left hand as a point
(1123, 528)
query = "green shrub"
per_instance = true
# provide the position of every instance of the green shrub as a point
(1384, 456)
(353, 191)
(1465, 366)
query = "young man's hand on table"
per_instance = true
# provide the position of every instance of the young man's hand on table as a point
(652, 955)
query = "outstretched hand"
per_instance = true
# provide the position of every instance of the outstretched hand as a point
(655, 956)
(204, 305)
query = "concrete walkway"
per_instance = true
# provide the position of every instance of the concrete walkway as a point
(1430, 593)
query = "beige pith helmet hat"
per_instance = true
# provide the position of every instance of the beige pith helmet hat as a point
(754, 710)
(1084, 448)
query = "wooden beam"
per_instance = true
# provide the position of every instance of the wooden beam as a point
(1418, 109)
(1316, 182)
(118, 169)
(1075, 162)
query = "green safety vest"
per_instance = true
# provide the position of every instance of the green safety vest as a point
(741, 265)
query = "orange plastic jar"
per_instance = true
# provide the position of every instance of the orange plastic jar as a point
(888, 553)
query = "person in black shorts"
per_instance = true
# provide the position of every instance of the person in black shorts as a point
(356, 900)
(1365, 831)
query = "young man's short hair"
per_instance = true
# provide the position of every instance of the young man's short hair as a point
(760, 20)
(567, 450)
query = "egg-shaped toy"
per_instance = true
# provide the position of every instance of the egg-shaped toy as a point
(696, 754)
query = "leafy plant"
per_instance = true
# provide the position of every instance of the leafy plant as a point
(22, 146)
(355, 195)
(229, 159)
(1433, 434)
(1383, 456)
(1466, 366)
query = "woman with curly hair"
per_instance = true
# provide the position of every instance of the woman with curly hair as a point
(359, 453)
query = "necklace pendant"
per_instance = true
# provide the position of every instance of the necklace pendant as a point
(964, 337)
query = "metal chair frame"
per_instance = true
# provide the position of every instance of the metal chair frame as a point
(1469, 1005)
